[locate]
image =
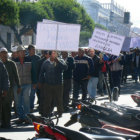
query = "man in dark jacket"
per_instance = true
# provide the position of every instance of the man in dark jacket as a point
(83, 68)
(40, 93)
(51, 76)
(94, 75)
(34, 59)
(4, 85)
(67, 79)
(14, 81)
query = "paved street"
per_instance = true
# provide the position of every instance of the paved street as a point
(24, 132)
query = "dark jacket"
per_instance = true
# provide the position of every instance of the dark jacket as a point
(13, 73)
(39, 64)
(34, 59)
(52, 73)
(68, 73)
(4, 80)
(97, 66)
(83, 67)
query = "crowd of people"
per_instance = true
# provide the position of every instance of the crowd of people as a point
(52, 76)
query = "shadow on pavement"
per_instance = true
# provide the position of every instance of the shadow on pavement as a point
(14, 129)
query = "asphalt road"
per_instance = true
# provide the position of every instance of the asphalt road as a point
(24, 132)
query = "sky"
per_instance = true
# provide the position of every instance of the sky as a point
(133, 6)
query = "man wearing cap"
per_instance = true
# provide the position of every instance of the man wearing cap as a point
(14, 81)
(34, 58)
(14, 53)
(22, 99)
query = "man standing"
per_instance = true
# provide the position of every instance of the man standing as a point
(93, 81)
(34, 58)
(4, 85)
(83, 68)
(22, 99)
(67, 79)
(14, 81)
(40, 93)
(51, 76)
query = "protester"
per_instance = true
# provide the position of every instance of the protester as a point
(51, 76)
(83, 68)
(67, 79)
(14, 81)
(136, 65)
(94, 76)
(34, 58)
(40, 93)
(102, 74)
(14, 55)
(4, 85)
(116, 67)
(22, 99)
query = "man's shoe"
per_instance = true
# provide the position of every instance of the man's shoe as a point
(19, 121)
(27, 122)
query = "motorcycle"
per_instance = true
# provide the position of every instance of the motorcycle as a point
(46, 129)
(93, 117)
(136, 98)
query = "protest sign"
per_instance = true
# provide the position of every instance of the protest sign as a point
(65, 36)
(46, 36)
(106, 42)
(135, 42)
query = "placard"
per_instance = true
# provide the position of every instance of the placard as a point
(52, 35)
(106, 42)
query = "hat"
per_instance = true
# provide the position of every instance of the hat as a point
(20, 48)
(3, 49)
(14, 48)
(45, 52)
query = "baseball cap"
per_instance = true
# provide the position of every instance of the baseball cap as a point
(14, 48)
(20, 48)
(3, 49)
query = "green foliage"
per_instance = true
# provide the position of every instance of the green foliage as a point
(30, 13)
(69, 11)
(9, 12)
(100, 26)
(84, 38)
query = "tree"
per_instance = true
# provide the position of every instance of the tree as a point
(69, 11)
(9, 15)
(100, 26)
(9, 12)
(30, 14)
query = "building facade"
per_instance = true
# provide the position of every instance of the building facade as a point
(110, 15)
(6, 37)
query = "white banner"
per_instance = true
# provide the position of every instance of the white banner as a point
(46, 36)
(64, 37)
(106, 42)
(135, 42)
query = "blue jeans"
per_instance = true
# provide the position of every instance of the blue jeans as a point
(22, 101)
(32, 97)
(92, 86)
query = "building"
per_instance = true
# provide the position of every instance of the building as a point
(6, 37)
(110, 15)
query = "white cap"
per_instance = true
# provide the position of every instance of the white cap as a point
(3, 49)
(14, 48)
(20, 48)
